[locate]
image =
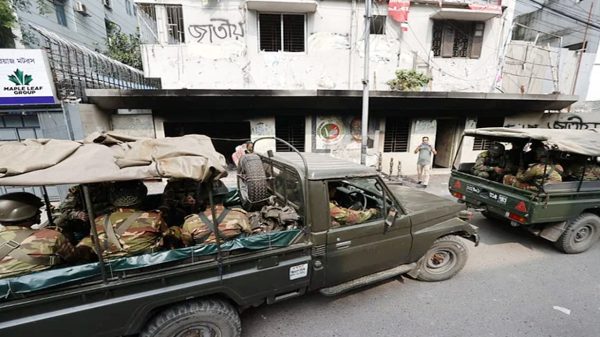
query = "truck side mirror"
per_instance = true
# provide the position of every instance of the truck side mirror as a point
(391, 216)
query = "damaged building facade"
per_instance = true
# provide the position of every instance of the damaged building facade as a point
(293, 69)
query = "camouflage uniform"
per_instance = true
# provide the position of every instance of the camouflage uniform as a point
(142, 234)
(73, 227)
(485, 165)
(233, 224)
(181, 197)
(533, 177)
(345, 216)
(40, 250)
(575, 170)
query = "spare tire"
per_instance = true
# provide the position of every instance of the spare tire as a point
(252, 182)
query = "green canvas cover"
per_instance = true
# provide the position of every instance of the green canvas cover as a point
(72, 274)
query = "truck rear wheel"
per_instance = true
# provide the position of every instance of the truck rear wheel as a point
(196, 318)
(253, 184)
(581, 233)
(446, 257)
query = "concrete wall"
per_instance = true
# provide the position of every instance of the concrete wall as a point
(333, 57)
(93, 119)
(87, 30)
(134, 125)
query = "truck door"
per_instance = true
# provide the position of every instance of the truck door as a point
(358, 242)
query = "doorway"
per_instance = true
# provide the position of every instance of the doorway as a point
(222, 130)
(446, 136)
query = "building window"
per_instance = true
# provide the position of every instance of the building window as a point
(128, 7)
(489, 122)
(378, 24)
(397, 130)
(175, 24)
(61, 17)
(292, 130)
(457, 38)
(19, 127)
(281, 32)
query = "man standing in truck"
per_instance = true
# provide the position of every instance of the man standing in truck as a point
(425, 151)
(22, 249)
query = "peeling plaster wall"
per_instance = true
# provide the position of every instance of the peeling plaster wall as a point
(333, 57)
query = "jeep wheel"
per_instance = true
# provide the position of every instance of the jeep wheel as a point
(252, 182)
(443, 260)
(581, 233)
(198, 318)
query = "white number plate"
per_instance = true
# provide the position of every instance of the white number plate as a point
(300, 271)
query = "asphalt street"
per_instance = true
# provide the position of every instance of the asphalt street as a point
(514, 284)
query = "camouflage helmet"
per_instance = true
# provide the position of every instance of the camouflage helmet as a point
(127, 193)
(496, 149)
(19, 206)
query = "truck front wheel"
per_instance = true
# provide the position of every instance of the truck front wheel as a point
(581, 233)
(196, 318)
(446, 257)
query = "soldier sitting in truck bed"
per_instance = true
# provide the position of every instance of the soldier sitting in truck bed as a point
(579, 168)
(127, 231)
(543, 171)
(491, 163)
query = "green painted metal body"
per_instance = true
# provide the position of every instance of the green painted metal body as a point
(560, 202)
(124, 304)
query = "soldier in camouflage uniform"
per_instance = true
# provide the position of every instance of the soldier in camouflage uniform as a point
(537, 174)
(491, 163)
(231, 221)
(73, 219)
(341, 216)
(22, 249)
(181, 197)
(589, 171)
(126, 231)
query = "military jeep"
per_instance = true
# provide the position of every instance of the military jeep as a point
(201, 290)
(566, 213)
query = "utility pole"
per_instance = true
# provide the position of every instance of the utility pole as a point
(365, 82)
(583, 49)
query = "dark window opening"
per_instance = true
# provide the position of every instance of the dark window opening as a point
(281, 32)
(486, 122)
(457, 38)
(61, 17)
(378, 24)
(292, 130)
(577, 46)
(397, 132)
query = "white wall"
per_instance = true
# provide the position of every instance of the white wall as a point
(333, 57)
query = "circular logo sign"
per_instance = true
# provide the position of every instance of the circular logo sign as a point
(329, 132)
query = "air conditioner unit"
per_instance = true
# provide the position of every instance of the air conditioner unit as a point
(80, 8)
(106, 3)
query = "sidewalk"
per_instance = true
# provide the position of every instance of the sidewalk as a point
(438, 183)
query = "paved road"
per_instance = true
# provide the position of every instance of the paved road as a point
(514, 284)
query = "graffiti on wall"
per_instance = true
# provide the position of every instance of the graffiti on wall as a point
(573, 122)
(342, 136)
(263, 129)
(218, 29)
(424, 126)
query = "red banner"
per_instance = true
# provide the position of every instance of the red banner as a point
(398, 10)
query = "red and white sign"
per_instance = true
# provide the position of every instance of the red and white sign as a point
(398, 10)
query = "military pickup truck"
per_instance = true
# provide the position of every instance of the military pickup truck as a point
(566, 213)
(201, 290)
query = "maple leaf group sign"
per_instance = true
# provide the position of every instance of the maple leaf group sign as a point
(398, 10)
(25, 78)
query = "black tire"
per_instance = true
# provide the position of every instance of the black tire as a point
(253, 186)
(581, 233)
(446, 257)
(198, 318)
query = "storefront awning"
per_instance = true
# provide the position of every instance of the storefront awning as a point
(285, 6)
(462, 14)
(267, 102)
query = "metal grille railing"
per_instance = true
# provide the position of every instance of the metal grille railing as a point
(75, 68)
(397, 131)
(292, 130)
(175, 24)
